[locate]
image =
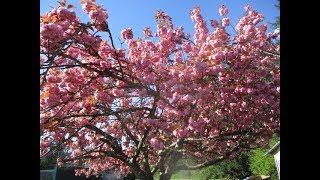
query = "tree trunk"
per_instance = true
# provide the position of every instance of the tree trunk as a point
(139, 173)
(166, 169)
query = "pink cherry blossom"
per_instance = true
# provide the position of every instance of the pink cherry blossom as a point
(214, 23)
(156, 143)
(179, 133)
(98, 16)
(66, 14)
(223, 10)
(199, 155)
(147, 32)
(127, 33)
(225, 22)
(247, 7)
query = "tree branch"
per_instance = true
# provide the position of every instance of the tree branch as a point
(111, 141)
(140, 145)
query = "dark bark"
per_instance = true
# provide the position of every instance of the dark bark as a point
(139, 173)
(167, 164)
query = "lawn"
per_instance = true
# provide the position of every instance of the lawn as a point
(185, 175)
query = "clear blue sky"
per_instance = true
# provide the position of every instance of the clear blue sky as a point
(138, 14)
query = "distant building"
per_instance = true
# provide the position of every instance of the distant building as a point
(46, 174)
(68, 173)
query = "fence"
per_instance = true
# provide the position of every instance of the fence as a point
(46, 174)
(68, 174)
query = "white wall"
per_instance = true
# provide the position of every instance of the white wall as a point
(277, 160)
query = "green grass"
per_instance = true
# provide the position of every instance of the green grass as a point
(184, 175)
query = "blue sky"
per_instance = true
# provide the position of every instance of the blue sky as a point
(138, 14)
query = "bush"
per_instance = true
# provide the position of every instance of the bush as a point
(231, 169)
(263, 165)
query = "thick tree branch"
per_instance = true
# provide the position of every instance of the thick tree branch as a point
(199, 166)
(140, 145)
(110, 140)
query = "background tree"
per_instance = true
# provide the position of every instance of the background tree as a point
(50, 160)
(253, 162)
(164, 97)
(237, 168)
(276, 24)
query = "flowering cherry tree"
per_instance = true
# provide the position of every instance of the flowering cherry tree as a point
(165, 96)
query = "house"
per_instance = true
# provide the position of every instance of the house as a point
(261, 177)
(68, 172)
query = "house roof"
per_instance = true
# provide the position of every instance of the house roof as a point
(274, 149)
